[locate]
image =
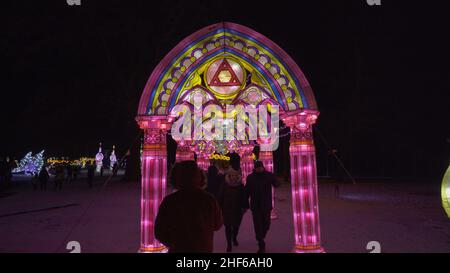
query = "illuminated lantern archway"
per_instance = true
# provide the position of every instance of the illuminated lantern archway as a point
(229, 64)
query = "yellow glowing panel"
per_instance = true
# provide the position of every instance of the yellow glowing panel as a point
(445, 192)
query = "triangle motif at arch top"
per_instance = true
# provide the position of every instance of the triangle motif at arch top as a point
(225, 76)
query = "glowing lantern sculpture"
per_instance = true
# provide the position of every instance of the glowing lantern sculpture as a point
(30, 164)
(229, 64)
(99, 159)
(112, 158)
(445, 192)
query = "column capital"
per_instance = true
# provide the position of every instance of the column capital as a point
(301, 123)
(246, 149)
(154, 122)
(300, 119)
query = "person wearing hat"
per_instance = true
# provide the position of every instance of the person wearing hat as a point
(259, 189)
(232, 199)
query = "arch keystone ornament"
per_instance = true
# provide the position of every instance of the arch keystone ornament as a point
(225, 76)
(229, 64)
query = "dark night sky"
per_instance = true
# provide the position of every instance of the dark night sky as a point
(73, 75)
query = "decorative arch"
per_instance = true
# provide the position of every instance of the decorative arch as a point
(229, 64)
(274, 67)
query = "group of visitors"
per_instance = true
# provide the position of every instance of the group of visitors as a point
(188, 217)
(62, 173)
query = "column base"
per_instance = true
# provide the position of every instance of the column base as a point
(161, 249)
(302, 249)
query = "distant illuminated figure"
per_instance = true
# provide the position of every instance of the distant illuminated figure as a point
(30, 164)
(445, 192)
(112, 158)
(99, 159)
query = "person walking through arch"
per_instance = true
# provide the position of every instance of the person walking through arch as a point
(188, 217)
(259, 189)
(213, 180)
(232, 200)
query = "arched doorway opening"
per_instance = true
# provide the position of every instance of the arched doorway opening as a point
(227, 64)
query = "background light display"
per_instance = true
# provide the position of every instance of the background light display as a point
(99, 159)
(112, 158)
(30, 164)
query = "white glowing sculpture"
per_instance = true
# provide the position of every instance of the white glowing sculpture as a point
(112, 158)
(99, 159)
(30, 164)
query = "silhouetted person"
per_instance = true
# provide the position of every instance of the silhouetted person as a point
(10, 165)
(3, 170)
(69, 172)
(75, 172)
(187, 218)
(90, 175)
(43, 178)
(214, 180)
(232, 200)
(34, 181)
(59, 177)
(259, 189)
(115, 169)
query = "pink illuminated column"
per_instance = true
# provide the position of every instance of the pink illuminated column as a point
(202, 161)
(266, 158)
(154, 172)
(245, 152)
(305, 205)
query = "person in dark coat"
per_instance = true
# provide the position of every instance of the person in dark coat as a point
(10, 165)
(69, 172)
(259, 189)
(2, 170)
(34, 181)
(115, 169)
(59, 177)
(43, 178)
(75, 172)
(232, 201)
(188, 217)
(90, 175)
(213, 180)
